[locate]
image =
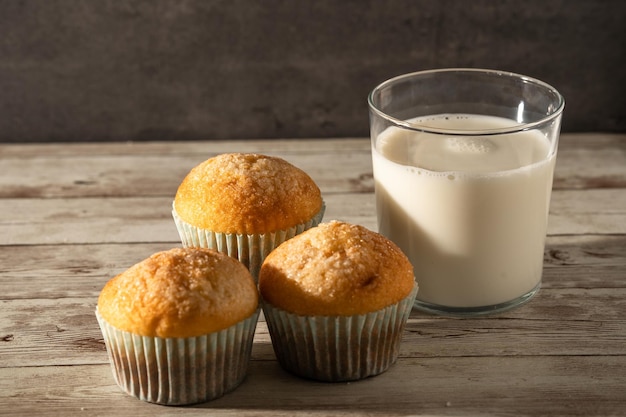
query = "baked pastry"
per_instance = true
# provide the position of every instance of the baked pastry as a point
(336, 299)
(245, 205)
(179, 325)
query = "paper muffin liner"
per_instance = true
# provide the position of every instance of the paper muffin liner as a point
(249, 249)
(338, 348)
(179, 371)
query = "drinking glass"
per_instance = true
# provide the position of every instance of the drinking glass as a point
(463, 164)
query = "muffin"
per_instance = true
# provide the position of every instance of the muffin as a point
(179, 325)
(336, 299)
(245, 205)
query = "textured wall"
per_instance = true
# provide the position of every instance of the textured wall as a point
(77, 70)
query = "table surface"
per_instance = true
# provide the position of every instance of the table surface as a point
(75, 215)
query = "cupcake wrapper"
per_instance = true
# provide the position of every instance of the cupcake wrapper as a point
(249, 249)
(338, 348)
(177, 371)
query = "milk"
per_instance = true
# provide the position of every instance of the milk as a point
(469, 212)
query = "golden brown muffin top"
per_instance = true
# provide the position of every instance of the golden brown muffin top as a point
(336, 269)
(183, 292)
(246, 194)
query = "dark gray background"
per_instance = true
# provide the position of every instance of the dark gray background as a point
(94, 70)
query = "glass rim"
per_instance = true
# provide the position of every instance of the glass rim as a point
(463, 132)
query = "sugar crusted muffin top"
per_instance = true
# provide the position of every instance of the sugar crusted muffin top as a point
(183, 292)
(336, 268)
(246, 194)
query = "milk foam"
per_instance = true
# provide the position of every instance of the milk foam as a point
(470, 145)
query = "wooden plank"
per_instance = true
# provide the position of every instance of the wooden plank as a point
(592, 141)
(66, 271)
(158, 175)
(547, 386)
(75, 270)
(156, 169)
(587, 261)
(591, 161)
(64, 331)
(108, 220)
(86, 220)
(186, 148)
(604, 210)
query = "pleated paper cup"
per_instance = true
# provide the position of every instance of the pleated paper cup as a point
(249, 249)
(180, 371)
(338, 348)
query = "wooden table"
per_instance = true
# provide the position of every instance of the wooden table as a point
(75, 215)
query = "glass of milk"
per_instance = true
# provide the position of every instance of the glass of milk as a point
(463, 163)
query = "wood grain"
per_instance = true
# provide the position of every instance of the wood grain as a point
(426, 386)
(148, 219)
(79, 270)
(73, 216)
(138, 169)
(553, 322)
